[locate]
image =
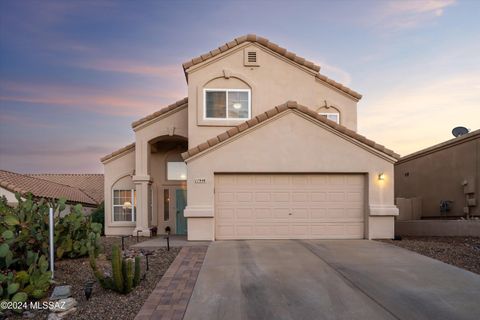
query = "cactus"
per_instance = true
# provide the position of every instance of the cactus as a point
(125, 272)
(117, 266)
(136, 278)
(128, 270)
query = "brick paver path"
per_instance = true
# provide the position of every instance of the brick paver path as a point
(170, 297)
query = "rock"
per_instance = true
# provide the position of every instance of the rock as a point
(65, 314)
(28, 315)
(61, 292)
(53, 316)
(63, 305)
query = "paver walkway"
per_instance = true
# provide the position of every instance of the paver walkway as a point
(170, 297)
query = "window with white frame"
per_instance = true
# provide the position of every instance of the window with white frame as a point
(124, 205)
(227, 104)
(331, 116)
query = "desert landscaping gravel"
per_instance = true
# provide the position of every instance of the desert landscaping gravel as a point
(463, 252)
(105, 304)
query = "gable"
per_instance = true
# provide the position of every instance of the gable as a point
(275, 50)
(348, 137)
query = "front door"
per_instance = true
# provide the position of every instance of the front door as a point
(181, 202)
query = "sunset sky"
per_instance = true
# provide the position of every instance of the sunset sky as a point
(75, 74)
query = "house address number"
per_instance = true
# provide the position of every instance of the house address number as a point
(200, 180)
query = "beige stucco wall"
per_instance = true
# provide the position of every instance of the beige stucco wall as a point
(275, 81)
(290, 142)
(143, 169)
(171, 124)
(9, 195)
(118, 172)
(439, 176)
(438, 228)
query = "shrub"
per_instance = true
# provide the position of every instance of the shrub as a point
(98, 216)
(24, 244)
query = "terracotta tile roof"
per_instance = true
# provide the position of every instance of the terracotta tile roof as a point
(41, 188)
(171, 107)
(91, 184)
(118, 152)
(279, 109)
(276, 48)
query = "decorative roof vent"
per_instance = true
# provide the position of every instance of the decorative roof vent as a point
(250, 57)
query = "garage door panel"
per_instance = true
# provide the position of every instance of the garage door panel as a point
(283, 206)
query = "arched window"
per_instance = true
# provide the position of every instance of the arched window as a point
(124, 200)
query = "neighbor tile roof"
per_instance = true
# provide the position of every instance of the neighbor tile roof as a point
(118, 152)
(168, 108)
(91, 184)
(279, 109)
(276, 48)
(41, 188)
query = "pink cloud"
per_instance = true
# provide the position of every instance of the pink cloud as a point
(128, 102)
(398, 15)
(133, 67)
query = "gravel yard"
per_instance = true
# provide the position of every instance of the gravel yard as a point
(106, 304)
(463, 252)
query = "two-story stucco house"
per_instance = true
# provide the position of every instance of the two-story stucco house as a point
(263, 147)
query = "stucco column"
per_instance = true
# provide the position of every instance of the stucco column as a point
(142, 187)
(142, 182)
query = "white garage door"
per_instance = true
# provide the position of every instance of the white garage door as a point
(289, 206)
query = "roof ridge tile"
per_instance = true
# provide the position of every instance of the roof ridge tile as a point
(280, 109)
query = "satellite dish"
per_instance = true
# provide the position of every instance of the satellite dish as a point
(459, 131)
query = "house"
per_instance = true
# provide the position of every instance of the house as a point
(440, 182)
(84, 189)
(263, 147)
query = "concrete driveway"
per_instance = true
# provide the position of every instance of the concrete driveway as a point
(329, 279)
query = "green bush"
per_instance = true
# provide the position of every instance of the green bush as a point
(24, 244)
(98, 216)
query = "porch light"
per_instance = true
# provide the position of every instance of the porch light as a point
(237, 106)
(381, 176)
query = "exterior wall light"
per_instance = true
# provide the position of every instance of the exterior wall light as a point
(381, 176)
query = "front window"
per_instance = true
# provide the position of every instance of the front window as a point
(124, 205)
(227, 104)
(335, 117)
(177, 171)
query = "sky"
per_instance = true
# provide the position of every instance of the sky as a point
(75, 74)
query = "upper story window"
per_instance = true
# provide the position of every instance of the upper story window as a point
(227, 104)
(332, 116)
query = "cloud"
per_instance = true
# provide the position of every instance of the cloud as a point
(336, 73)
(127, 102)
(51, 157)
(398, 15)
(420, 114)
(23, 121)
(133, 67)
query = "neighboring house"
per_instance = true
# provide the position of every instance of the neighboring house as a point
(84, 189)
(235, 160)
(440, 181)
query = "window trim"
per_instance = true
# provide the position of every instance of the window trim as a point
(205, 90)
(132, 201)
(329, 113)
